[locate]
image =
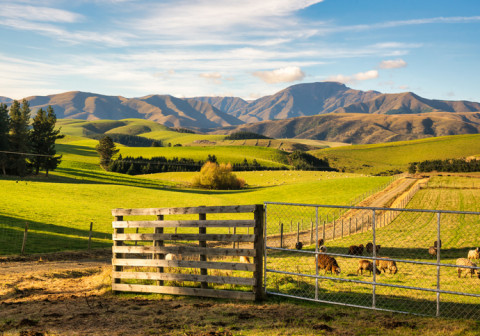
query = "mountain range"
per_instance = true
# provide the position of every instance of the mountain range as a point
(337, 112)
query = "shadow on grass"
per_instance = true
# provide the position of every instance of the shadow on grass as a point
(44, 237)
(363, 296)
(76, 150)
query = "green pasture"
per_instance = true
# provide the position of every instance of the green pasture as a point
(59, 209)
(407, 237)
(376, 158)
(95, 127)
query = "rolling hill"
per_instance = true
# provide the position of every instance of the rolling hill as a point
(163, 109)
(368, 128)
(377, 158)
(408, 103)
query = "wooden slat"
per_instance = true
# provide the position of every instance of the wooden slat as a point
(184, 211)
(186, 250)
(184, 277)
(184, 263)
(184, 223)
(185, 236)
(185, 291)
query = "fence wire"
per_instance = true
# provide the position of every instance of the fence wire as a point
(401, 260)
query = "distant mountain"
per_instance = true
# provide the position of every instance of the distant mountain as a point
(5, 100)
(368, 128)
(225, 104)
(164, 109)
(407, 103)
(303, 100)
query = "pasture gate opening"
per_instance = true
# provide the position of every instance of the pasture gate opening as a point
(188, 253)
(403, 277)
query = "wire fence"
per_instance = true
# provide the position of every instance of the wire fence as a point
(26, 237)
(402, 260)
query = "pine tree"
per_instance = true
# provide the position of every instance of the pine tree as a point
(19, 136)
(106, 149)
(4, 144)
(42, 139)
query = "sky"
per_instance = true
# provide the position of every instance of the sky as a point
(242, 48)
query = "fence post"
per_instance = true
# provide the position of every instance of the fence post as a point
(439, 247)
(374, 263)
(342, 228)
(90, 236)
(298, 232)
(117, 255)
(259, 252)
(25, 233)
(311, 232)
(203, 243)
(281, 235)
(333, 233)
(323, 233)
(350, 226)
(234, 232)
(316, 254)
(159, 243)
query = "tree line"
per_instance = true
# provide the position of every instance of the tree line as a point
(25, 148)
(449, 165)
(160, 164)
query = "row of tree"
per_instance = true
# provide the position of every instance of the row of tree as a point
(448, 165)
(160, 164)
(26, 149)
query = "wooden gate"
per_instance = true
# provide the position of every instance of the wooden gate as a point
(152, 256)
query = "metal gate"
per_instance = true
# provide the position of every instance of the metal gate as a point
(389, 259)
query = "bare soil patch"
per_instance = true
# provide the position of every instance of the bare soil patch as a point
(60, 297)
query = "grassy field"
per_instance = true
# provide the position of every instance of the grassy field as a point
(59, 209)
(373, 159)
(408, 238)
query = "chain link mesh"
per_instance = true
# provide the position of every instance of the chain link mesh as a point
(410, 280)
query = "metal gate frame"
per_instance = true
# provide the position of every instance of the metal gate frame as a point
(374, 282)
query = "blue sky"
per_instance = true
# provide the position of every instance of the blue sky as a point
(245, 48)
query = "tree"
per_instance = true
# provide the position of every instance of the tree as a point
(4, 130)
(19, 136)
(42, 140)
(106, 149)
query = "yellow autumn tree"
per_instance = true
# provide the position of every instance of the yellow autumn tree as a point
(217, 176)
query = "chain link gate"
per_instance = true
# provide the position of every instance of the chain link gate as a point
(389, 259)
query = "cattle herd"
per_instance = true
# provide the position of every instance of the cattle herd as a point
(330, 265)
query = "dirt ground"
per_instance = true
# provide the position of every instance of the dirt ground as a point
(42, 295)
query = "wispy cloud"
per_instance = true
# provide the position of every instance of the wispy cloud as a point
(392, 64)
(38, 14)
(214, 77)
(361, 76)
(282, 75)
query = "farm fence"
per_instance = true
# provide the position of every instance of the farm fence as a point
(178, 256)
(386, 257)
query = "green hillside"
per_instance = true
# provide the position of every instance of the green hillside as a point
(376, 158)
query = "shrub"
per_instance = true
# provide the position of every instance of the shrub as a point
(217, 176)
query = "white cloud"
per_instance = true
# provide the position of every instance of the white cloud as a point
(39, 14)
(214, 77)
(361, 76)
(282, 75)
(393, 64)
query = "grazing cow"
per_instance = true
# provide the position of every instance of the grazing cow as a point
(432, 250)
(366, 265)
(355, 250)
(466, 262)
(474, 254)
(385, 265)
(299, 245)
(369, 248)
(327, 263)
(437, 244)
